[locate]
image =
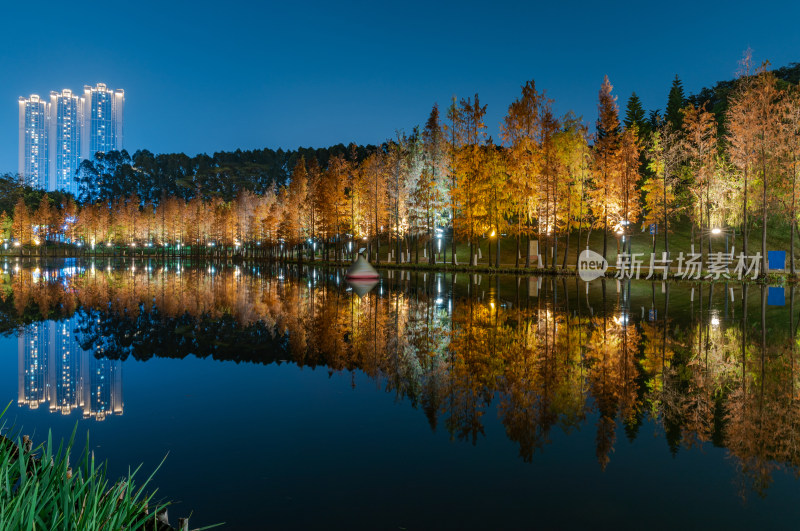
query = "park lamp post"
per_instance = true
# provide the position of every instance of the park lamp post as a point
(621, 232)
(492, 236)
(716, 231)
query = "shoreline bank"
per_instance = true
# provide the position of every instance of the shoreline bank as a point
(771, 278)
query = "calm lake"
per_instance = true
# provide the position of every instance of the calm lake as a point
(286, 398)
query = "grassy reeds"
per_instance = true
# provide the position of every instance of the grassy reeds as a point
(39, 489)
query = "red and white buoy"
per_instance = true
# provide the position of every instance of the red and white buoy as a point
(361, 270)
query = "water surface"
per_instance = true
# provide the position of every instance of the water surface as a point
(286, 398)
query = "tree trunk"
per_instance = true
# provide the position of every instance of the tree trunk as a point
(554, 250)
(527, 251)
(701, 230)
(794, 223)
(431, 256)
(666, 227)
(791, 246)
(708, 220)
(744, 214)
(764, 222)
(497, 252)
(453, 240)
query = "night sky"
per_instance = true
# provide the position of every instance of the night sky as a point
(210, 76)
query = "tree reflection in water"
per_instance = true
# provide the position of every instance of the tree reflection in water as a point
(705, 364)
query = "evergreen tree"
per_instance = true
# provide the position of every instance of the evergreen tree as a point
(676, 101)
(636, 120)
(634, 114)
(654, 119)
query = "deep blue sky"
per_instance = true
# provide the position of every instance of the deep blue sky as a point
(208, 76)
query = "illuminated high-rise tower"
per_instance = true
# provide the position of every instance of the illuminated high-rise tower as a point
(102, 120)
(34, 117)
(66, 117)
(56, 136)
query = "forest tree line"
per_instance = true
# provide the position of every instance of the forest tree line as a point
(728, 157)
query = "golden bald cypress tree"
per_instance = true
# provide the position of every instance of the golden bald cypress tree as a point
(21, 227)
(664, 153)
(606, 151)
(470, 130)
(700, 143)
(520, 131)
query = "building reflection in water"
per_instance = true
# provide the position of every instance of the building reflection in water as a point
(55, 370)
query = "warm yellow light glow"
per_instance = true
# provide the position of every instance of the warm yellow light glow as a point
(716, 231)
(492, 234)
(714, 321)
